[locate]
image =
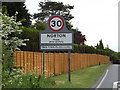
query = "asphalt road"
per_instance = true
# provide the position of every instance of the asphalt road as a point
(111, 75)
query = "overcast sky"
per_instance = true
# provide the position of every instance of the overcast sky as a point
(97, 19)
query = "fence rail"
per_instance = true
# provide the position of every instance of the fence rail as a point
(55, 63)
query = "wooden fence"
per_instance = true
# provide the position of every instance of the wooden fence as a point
(55, 63)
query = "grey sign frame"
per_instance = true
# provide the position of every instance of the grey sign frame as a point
(49, 31)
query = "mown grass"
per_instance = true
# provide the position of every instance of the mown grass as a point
(83, 78)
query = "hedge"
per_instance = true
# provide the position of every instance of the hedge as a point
(114, 56)
(33, 36)
(33, 45)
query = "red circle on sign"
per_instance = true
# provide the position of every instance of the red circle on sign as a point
(53, 18)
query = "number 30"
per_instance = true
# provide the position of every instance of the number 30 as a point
(56, 23)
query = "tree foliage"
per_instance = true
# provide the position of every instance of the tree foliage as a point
(9, 39)
(100, 45)
(9, 28)
(39, 25)
(33, 36)
(50, 8)
(23, 15)
(79, 38)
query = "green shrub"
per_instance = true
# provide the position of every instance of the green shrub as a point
(18, 80)
(7, 58)
(33, 36)
(92, 50)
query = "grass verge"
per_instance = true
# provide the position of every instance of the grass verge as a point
(83, 78)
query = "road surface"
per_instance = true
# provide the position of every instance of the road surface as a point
(111, 75)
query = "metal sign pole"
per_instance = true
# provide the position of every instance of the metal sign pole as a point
(69, 76)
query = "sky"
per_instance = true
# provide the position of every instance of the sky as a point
(97, 19)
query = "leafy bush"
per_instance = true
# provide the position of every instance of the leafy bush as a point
(16, 79)
(115, 58)
(33, 36)
(9, 39)
(9, 27)
(7, 58)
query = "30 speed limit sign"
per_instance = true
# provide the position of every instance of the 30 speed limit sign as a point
(56, 23)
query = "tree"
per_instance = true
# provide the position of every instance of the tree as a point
(23, 15)
(119, 57)
(50, 8)
(39, 25)
(107, 46)
(100, 45)
(79, 38)
(9, 27)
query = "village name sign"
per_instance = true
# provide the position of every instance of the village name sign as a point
(56, 36)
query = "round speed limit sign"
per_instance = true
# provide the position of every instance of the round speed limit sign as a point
(56, 23)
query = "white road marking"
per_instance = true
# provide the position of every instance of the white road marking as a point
(103, 79)
(115, 84)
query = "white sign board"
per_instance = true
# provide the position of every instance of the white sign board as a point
(49, 47)
(56, 38)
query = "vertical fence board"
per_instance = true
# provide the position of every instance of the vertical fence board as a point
(65, 62)
(49, 62)
(35, 62)
(77, 62)
(72, 62)
(21, 59)
(46, 65)
(56, 64)
(15, 59)
(62, 62)
(18, 58)
(81, 58)
(80, 61)
(25, 62)
(85, 60)
(52, 64)
(40, 63)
